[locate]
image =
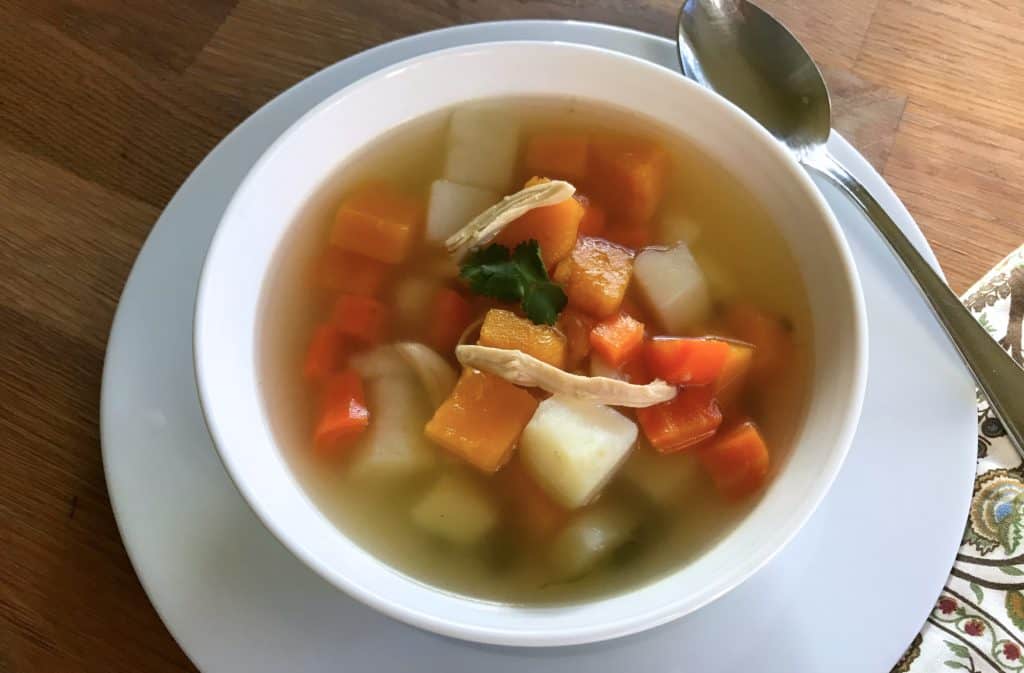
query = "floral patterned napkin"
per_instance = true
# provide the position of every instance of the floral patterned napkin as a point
(977, 624)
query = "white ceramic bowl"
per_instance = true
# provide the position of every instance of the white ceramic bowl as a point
(281, 182)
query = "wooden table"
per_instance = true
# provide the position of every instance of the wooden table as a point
(106, 105)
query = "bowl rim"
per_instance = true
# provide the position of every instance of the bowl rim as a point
(542, 636)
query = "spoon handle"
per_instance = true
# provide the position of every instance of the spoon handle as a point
(995, 372)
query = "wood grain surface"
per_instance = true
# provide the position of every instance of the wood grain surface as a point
(106, 105)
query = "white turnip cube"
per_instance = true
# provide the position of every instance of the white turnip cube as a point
(573, 447)
(457, 510)
(673, 286)
(394, 446)
(663, 478)
(453, 205)
(483, 146)
(591, 537)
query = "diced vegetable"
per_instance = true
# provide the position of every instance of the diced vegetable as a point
(673, 286)
(558, 155)
(600, 367)
(347, 272)
(617, 339)
(734, 373)
(573, 447)
(343, 413)
(692, 417)
(362, 318)
(450, 315)
(325, 354)
(663, 478)
(414, 297)
(483, 145)
(533, 510)
(576, 327)
(553, 227)
(591, 537)
(737, 460)
(767, 333)
(394, 447)
(379, 221)
(595, 275)
(594, 221)
(630, 174)
(683, 361)
(457, 510)
(482, 419)
(504, 329)
(453, 205)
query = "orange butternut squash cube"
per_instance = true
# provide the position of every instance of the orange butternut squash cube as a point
(482, 419)
(554, 227)
(379, 221)
(350, 273)
(576, 327)
(737, 461)
(595, 276)
(558, 155)
(767, 333)
(504, 329)
(631, 174)
(533, 511)
(594, 222)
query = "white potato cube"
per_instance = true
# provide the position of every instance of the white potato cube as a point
(663, 478)
(721, 282)
(483, 146)
(394, 446)
(413, 297)
(453, 205)
(457, 510)
(591, 537)
(673, 286)
(573, 447)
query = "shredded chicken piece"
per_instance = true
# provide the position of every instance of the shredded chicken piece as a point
(484, 227)
(521, 369)
(437, 376)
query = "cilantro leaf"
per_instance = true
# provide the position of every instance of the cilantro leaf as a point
(520, 275)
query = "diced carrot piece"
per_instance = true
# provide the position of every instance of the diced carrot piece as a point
(768, 335)
(350, 273)
(737, 460)
(504, 329)
(617, 339)
(450, 316)
(730, 380)
(362, 318)
(690, 418)
(576, 327)
(558, 155)
(594, 221)
(683, 361)
(532, 510)
(343, 413)
(553, 227)
(635, 235)
(325, 353)
(379, 221)
(482, 419)
(630, 175)
(595, 275)
(635, 370)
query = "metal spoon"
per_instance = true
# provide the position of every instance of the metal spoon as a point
(739, 51)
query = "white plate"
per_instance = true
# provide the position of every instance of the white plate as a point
(848, 594)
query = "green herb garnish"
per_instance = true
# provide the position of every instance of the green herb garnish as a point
(516, 276)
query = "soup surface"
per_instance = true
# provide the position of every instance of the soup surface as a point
(633, 364)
